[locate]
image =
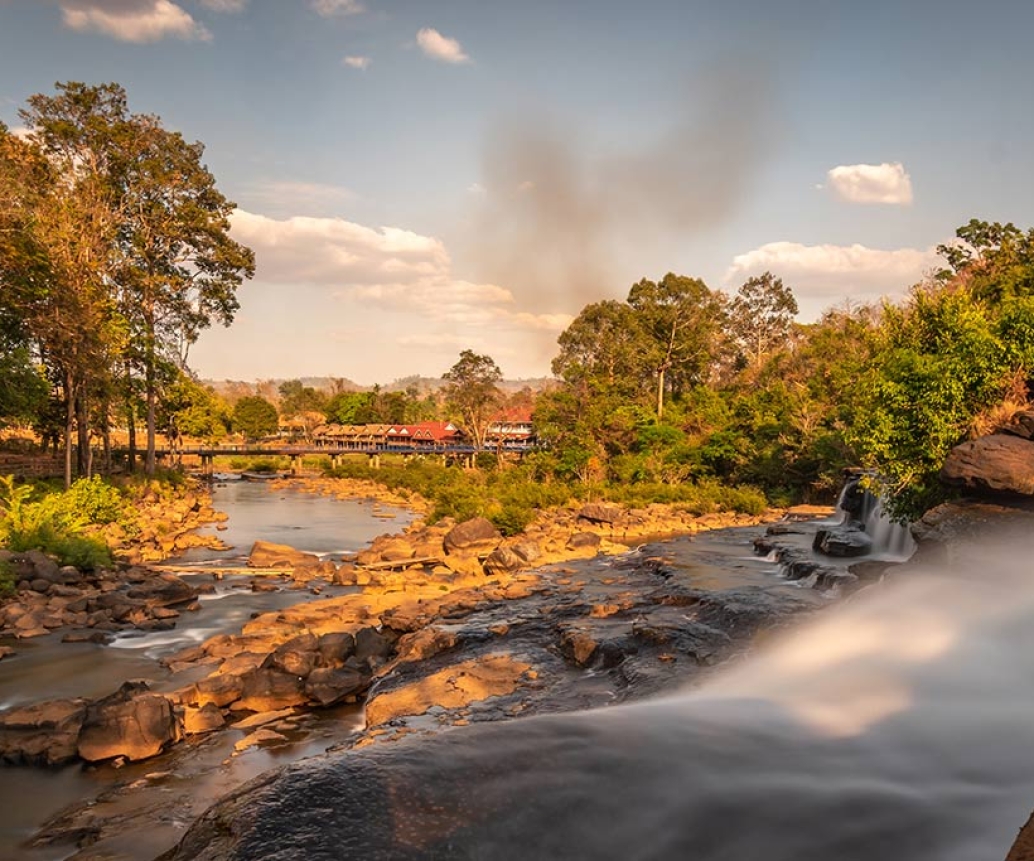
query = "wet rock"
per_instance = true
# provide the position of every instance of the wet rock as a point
(260, 737)
(842, 541)
(132, 722)
(453, 687)
(471, 534)
(1000, 463)
(43, 733)
(265, 554)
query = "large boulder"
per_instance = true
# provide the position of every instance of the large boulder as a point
(42, 733)
(132, 722)
(598, 512)
(267, 689)
(266, 554)
(471, 536)
(326, 686)
(163, 590)
(1021, 425)
(1000, 463)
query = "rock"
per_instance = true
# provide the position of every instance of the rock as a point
(208, 718)
(263, 718)
(259, 737)
(335, 647)
(471, 534)
(327, 685)
(583, 540)
(297, 656)
(265, 554)
(219, 690)
(1021, 425)
(163, 590)
(842, 541)
(527, 550)
(395, 550)
(453, 687)
(43, 733)
(372, 645)
(999, 463)
(132, 722)
(503, 560)
(598, 512)
(267, 690)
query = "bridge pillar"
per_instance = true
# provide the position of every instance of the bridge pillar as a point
(296, 463)
(335, 460)
(375, 461)
(206, 465)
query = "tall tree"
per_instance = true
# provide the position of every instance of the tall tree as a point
(473, 392)
(254, 417)
(684, 319)
(761, 317)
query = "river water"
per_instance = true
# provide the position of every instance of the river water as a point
(44, 668)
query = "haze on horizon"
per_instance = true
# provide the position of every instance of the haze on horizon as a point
(418, 178)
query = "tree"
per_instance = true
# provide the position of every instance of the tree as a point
(473, 392)
(149, 245)
(604, 349)
(761, 317)
(255, 417)
(296, 398)
(684, 320)
(995, 261)
(188, 408)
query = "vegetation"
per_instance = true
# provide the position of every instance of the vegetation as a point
(114, 254)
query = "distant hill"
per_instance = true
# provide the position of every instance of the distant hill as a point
(234, 389)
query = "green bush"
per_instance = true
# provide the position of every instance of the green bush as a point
(8, 580)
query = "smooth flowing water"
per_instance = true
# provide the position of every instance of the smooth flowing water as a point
(45, 668)
(897, 725)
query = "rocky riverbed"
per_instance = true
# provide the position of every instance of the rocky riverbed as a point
(449, 624)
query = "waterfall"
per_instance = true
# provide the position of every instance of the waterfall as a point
(863, 510)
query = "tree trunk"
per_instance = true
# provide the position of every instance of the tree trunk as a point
(82, 436)
(130, 420)
(149, 386)
(69, 427)
(660, 393)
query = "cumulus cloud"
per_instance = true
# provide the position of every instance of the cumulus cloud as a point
(386, 267)
(356, 62)
(328, 8)
(871, 183)
(132, 20)
(821, 274)
(439, 47)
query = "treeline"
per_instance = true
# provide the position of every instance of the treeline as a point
(114, 254)
(681, 384)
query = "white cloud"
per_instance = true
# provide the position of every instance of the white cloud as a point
(872, 183)
(132, 20)
(821, 274)
(225, 5)
(327, 8)
(21, 132)
(439, 47)
(354, 62)
(386, 268)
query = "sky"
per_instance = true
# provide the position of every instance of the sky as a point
(420, 177)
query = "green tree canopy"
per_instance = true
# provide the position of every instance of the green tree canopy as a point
(472, 391)
(255, 417)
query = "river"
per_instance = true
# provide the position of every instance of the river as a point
(45, 668)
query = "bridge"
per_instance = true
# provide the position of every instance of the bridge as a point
(464, 453)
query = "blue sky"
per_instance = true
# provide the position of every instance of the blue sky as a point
(422, 177)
